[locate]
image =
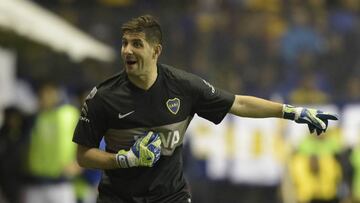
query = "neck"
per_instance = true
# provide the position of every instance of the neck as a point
(144, 81)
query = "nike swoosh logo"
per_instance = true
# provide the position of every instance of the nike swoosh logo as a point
(124, 115)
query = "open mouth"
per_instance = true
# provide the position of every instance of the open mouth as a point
(130, 62)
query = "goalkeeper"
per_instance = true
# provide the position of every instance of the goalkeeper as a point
(143, 113)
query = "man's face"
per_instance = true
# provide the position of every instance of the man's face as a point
(137, 54)
(49, 97)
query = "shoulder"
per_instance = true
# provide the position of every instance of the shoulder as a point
(105, 87)
(113, 81)
(177, 75)
(187, 79)
(110, 83)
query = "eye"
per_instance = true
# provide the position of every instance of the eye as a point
(137, 44)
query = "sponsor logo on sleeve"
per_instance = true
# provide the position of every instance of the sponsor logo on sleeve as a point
(91, 94)
(85, 108)
(210, 85)
(82, 118)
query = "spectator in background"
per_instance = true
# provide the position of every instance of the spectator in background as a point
(300, 44)
(308, 92)
(301, 36)
(316, 178)
(51, 157)
(315, 171)
(353, 89)
(13, 139)
(355, 181)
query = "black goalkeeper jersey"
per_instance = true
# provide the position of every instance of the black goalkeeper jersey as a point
(121, 112)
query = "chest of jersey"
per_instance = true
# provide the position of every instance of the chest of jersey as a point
(161, 109)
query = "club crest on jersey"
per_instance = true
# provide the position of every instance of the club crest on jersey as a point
(173, 105)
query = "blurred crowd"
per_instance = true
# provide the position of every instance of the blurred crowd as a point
(296, 51)
(304, 51)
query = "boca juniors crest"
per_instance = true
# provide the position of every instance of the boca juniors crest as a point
(173, 105)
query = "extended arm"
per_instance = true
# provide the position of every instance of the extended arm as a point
(248, 106)
(253, 107)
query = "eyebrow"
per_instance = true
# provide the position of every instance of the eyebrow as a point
(136, 39)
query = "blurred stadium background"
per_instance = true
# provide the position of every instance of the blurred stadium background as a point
(295, 51)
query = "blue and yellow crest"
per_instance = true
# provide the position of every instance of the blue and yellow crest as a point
(173, 105)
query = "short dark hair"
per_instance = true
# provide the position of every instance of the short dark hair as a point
(146, 24)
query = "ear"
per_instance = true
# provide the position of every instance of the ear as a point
(157, 50)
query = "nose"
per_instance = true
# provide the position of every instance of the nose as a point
(126, 49)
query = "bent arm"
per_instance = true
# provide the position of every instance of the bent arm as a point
(253, 107)
(95, 158)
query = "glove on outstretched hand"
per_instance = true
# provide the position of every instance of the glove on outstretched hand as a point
(315, 119)
(144, 153)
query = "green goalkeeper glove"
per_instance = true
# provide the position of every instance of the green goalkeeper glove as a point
(315, 119)
(145, 152)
